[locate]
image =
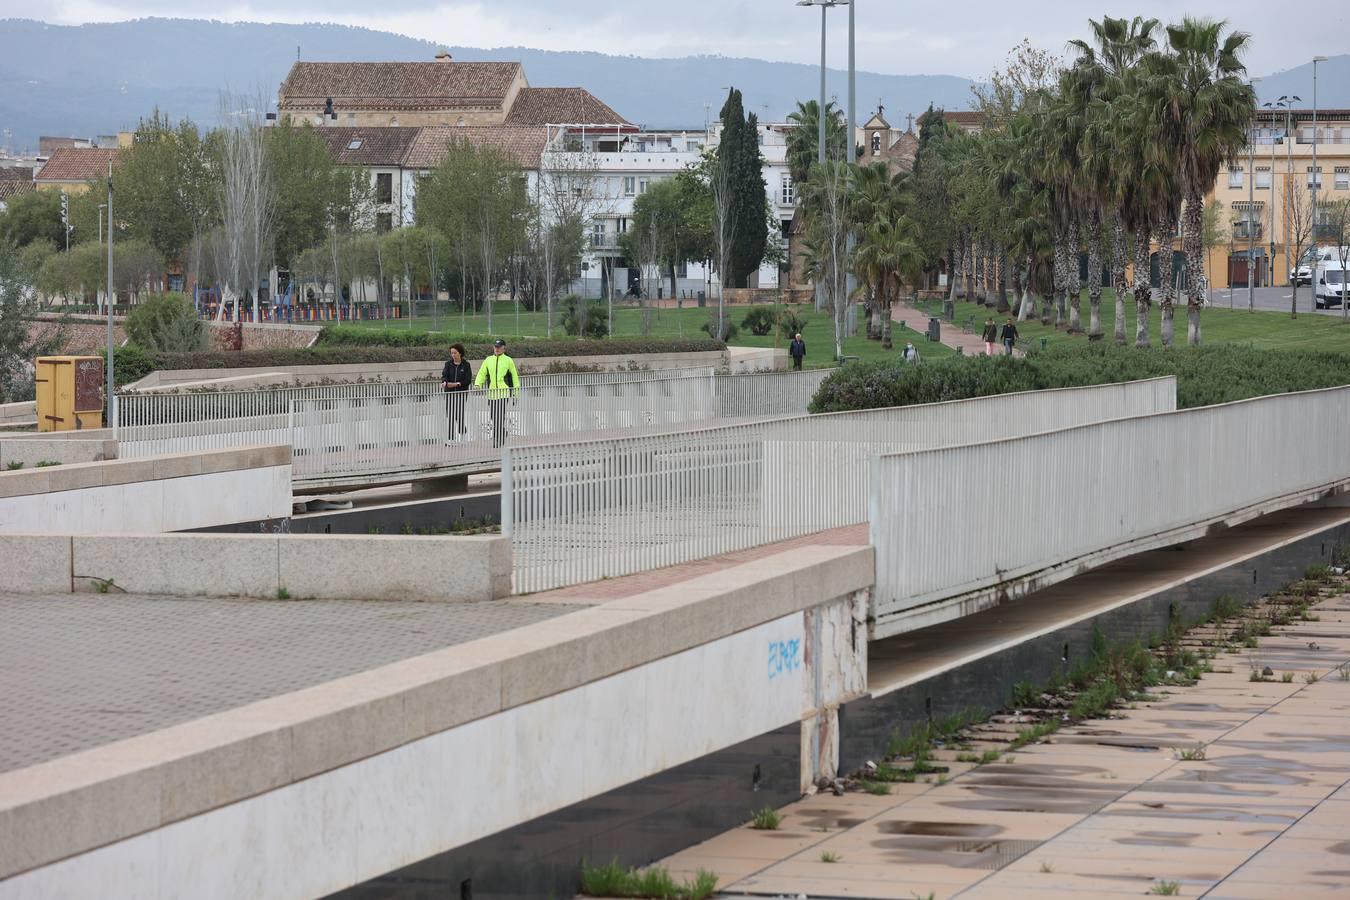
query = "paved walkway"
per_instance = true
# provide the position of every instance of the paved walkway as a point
(80, 671)
(1261, 809)
(952, 335)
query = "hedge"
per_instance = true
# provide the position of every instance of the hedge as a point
(343, 354)
(1205, 375)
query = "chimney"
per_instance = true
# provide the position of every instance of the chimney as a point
(443, 56)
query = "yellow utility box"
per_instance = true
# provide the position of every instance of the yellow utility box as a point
(69, 392)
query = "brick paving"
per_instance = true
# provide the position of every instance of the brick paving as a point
(1106, 808)
(80, 671)
(952, 335)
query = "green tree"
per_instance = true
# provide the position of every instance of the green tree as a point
(803, 141)
(163, 186)
(35, 216)
(20, 344)
(307, 184)
(167, 324)
(738, 151)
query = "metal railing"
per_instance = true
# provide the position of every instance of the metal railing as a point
(946, 523)
(374, 435)
(151, 423)
(598, 508)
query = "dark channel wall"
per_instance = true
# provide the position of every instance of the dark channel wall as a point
(414, 515)
(635, 824)
(866, 724)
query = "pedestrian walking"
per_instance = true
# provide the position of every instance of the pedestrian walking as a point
(911, 352)
(499, 375)
(797, 350)
(990, 336)
(1009, 337)
(456, 376)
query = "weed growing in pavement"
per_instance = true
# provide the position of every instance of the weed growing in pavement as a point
(989, 756)
(1192, 754)
(1318, 572)
(1224, 607)
(1024, 693)
(967, 758)
(1047, 868)
(1166, 888)
(45, 463)
(878, 788)
(103, 585)
(1035, 733)
(1343, 671)
(1287, 677)
(766, 819)
(827, 856)
(283, 593)
(615, 881)
(13, 466)
(1310, 678)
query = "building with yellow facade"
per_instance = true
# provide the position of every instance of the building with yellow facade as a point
(1259, 191)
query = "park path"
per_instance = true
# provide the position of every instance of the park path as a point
(952, 335)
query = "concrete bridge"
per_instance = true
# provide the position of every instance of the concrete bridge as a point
(382, 749)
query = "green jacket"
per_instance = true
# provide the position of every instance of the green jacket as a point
(499, 375)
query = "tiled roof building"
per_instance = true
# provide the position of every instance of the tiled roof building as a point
(561, 106)
(73, 168)
(524, 144)
(369, 146)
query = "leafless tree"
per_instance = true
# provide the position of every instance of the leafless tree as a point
(247, 201)
(724, 231)
(569, 196)
(1336, 220)
(1302, 219)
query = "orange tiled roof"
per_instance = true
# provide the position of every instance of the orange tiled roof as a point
(368, 146)
(13, 187)
(398, 85)
(71, 164)
(561, 106)
(524, 144)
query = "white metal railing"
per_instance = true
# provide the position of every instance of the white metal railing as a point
(162, 422)
(592, 509)
(948, 522)
(376, 435)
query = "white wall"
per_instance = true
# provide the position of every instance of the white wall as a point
(362, 820)
(153, 506)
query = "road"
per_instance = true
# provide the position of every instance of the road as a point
(1272, 298)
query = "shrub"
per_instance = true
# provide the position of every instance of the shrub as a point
(583, 318)
(790, 323)
(166, 323)
(130, 363)
(710, 327)
(357, 336)
(759, 320)
(1205, 375)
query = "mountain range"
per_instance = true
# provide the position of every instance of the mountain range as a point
(94, 79)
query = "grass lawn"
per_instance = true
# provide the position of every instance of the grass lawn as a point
(667, 322)
(1262, 329)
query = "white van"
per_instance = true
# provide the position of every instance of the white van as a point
(1330, 284)
(1309, 261)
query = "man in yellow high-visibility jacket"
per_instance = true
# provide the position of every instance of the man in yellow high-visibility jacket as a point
(499, 375)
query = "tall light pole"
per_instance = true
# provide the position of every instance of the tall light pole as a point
(1316, 175)
(825, 6)
(112, 394)
(1251, 210)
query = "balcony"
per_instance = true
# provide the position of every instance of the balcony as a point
(604, 241)
(1243, 231)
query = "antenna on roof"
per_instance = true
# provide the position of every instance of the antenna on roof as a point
(297, 52)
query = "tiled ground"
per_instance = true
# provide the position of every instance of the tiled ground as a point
(77, 671)
(1107, 808)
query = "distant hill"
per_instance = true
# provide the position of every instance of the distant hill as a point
(96, 79)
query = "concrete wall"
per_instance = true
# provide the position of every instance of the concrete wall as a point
(31, 448)
(409, 371)
(150, 495)
(311, 792)
(21, 413)
(338, 567)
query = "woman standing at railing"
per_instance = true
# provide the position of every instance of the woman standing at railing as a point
(456, 376)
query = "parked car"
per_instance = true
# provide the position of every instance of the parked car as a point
(1331, 284)
(1303, 273)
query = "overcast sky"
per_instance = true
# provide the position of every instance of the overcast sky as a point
(966, 38)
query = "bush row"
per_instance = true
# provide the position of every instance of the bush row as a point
(1205, 375)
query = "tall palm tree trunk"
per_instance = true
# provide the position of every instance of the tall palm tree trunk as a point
(1094, 249)
(1119, 283)
(977, 273)
(1193, 243)
(1166, 279)
(1061, 274)
(1026, 307)
(1002, 281)
(968, 271)
(1143, 289)
(1073, 282)
(953, 257)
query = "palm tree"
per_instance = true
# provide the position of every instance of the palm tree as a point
(803, 141)
(1205, 107)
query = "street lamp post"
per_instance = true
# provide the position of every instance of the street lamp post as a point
(112, 394)
(1251, 209)
(825, 5)
(1316, 175)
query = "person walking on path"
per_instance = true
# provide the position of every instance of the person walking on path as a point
(499, 375)
(911, 352)
(797, 350)
(456, 376)
(990, 336)
(1009, 337)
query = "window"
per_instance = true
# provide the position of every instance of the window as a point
(629, 185)
(876, 143)
(643, 184)
(384, 187)
(1343, 178)
(1315, 177)
(598, 234)
(384, 222)
(354, 145)
(1234, 177)
(787, 195)
(623, 225)
(1263, 178)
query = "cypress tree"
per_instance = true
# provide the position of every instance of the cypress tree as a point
(739, 150)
